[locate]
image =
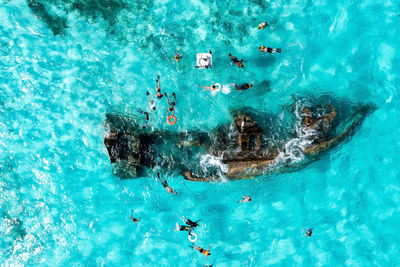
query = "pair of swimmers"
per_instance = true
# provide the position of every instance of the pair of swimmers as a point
(159, 95)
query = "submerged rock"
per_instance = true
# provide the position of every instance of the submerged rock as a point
(254, 143)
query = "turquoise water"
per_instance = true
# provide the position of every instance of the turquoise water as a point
(65, 65)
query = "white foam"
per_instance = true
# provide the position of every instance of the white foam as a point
(226, 89)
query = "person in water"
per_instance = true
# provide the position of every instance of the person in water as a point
(147, 117)
(308, 232)
(171, 104)
(151, 101)
(269, 49)
(242, 87)
(165, 184)
(201, 250)
(179, 228)
(208, 88)
(262, 25)
(236, 61)
(178, 57)
(190, 222)
(245, 199)
(158, 88)
(133, 219)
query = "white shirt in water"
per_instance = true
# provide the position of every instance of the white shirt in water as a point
(152, 105)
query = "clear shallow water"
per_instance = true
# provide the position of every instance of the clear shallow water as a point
(60, 203)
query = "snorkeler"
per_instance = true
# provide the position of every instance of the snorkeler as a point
(134, 219)
(245, 199)
(262, 25)
(190, 222)
(242, 87)
(308, 232)
(147, 116)
(269, 49)
(165, 184)
(178, 57)
(201, 250)
(151, 101)
(179, 228)
(171, 104)
(158, 88)
(236, 61)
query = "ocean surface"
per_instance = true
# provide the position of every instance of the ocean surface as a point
(65, 64)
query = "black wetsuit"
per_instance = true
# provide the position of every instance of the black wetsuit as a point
(243, 87)
(273, 50)
(234, 59)
(192, 223)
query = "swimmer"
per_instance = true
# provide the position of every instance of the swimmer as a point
(134, 219)
(158, 88)
(147, 117)
(208, 88)
(245, 199)
(269, 49)
(171, 104)
(183, 228)
(151, 101)
(178, 57)
(236, 61)
(242, 87)
(308, 232)
(201, 250)
(262, 25)
(190, 222)
(165, 184)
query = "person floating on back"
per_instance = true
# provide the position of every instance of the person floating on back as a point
(171, 104)
(236, 61)
(178, 57)
(308, 232)
(151, 101)
(262, 25)
(133, 219)
(190, 222)
(165, 184)
(269, 49)
(158, 88)
(242, 87)
(245, 199)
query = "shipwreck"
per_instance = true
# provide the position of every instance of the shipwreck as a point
(252, 144)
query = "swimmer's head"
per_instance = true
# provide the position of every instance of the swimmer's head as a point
(250, 85)
(261, 48)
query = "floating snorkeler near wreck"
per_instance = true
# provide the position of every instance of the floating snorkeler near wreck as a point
(254, 143)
